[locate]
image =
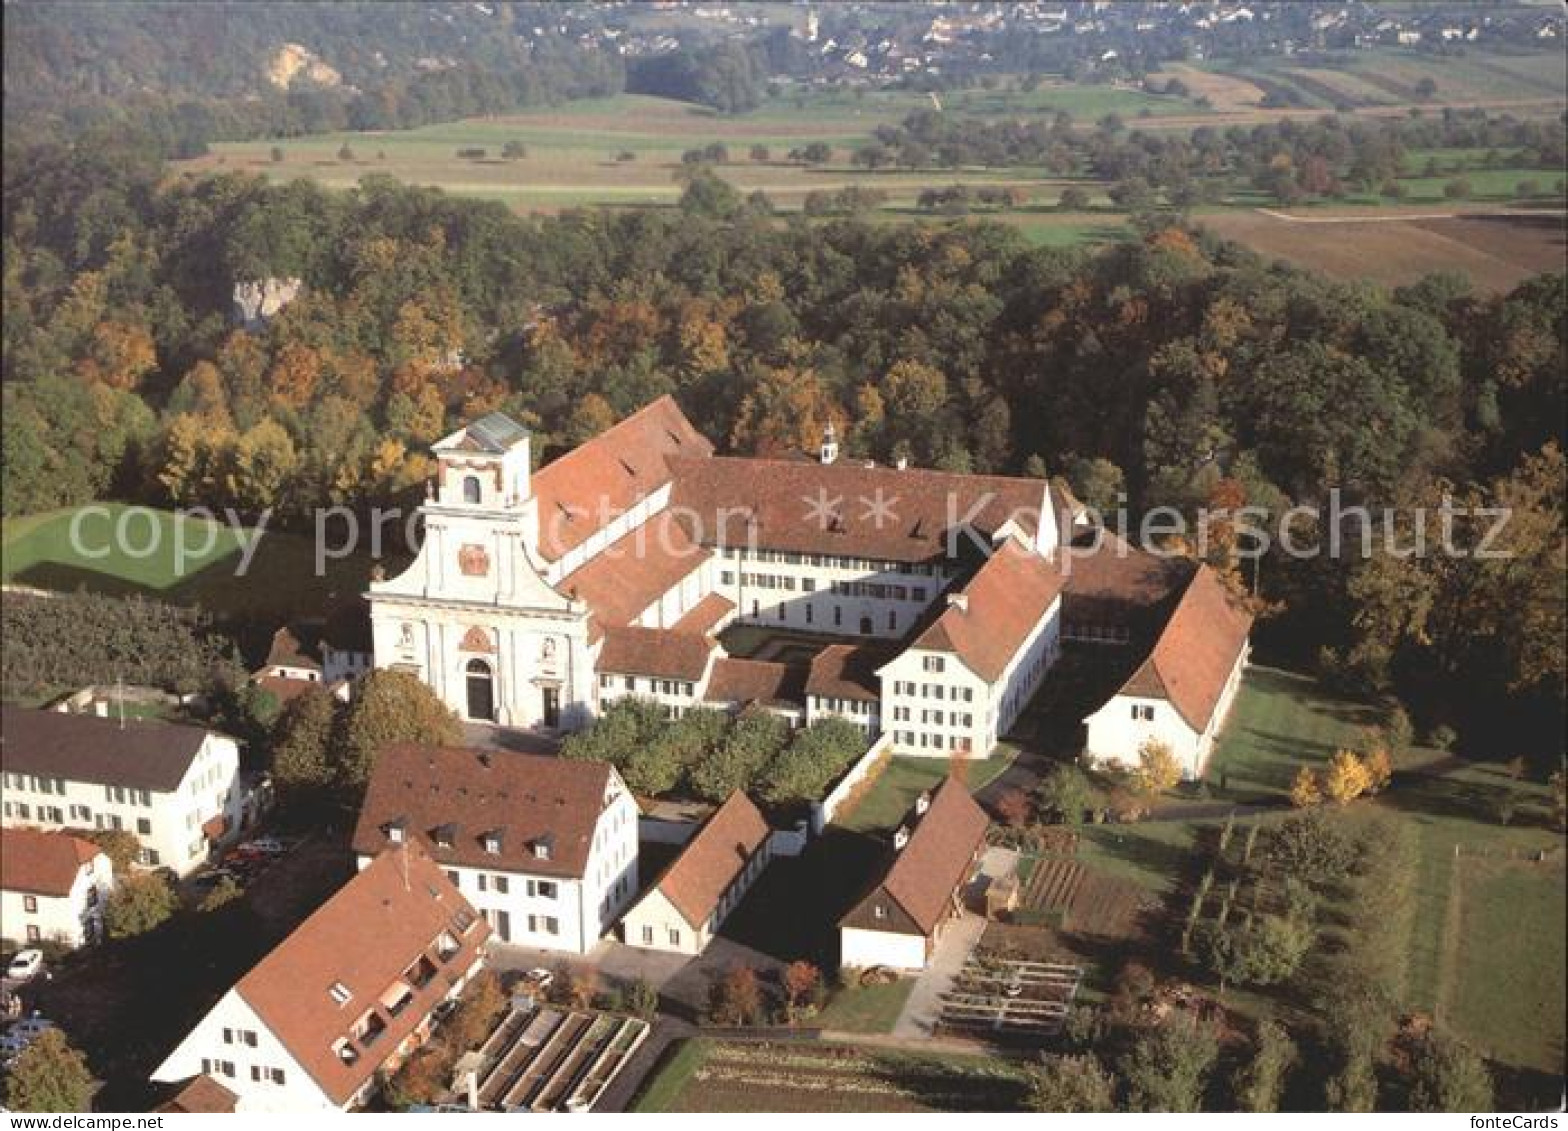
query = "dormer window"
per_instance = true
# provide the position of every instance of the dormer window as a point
(341, 993)
(471, 489)
(492, 842)
(544, 847)
(444, 836)
(395, 830)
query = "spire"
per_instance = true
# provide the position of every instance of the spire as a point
(829, 451)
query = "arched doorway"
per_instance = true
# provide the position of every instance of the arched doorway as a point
(481, 691)
(865, 626)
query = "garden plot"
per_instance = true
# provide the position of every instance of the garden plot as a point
(553, 1060)
(1014, 997)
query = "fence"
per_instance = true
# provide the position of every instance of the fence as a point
(865, 770)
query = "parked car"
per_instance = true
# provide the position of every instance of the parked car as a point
(19, 1036)
(25, 965)
(539, 979)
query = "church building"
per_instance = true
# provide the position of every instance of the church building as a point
(929, 604)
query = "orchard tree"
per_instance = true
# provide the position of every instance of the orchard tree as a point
(1064, 794)
(1167, 1068)
(1306, 791)
(1071, 1084)
(1260, 1082)
(1157, 770)
(139, 902)
(1445, 1075)
(49, 1075)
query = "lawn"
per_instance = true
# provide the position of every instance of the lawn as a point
(865, 1009)
(894, 792)
(1280, 721)
(717, 1076)
(122, 550)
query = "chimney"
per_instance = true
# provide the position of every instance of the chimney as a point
(900, 838)
(959, 601)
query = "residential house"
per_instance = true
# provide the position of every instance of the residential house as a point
(177, 787)
(343, 1001)
(545, 848)
(899, 922)
(52, 887)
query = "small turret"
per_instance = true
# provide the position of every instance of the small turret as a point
(829, 451)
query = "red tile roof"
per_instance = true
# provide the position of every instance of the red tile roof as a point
(579, 492)
(1196, 652)
(378, 925)
(284, 688)
(288, 651)
(713, 858)
(528, 798)
(201, 1096)
(1002, 603)
(703, 617)
(935, 863)
(654, 651)
(633, 572)
(882, 513)
(848, 671)
(43, 863)
(756, 681)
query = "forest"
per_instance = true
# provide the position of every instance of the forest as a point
(1174, 369)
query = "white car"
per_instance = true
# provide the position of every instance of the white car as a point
(25, 965)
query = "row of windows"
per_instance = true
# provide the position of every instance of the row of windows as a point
(830, 561)
(879, 590)
(933, 690)
(661, 686)
(35, 783)
(781, 613)
(80, 814)
(259, 1074)
(1142, 713)
(537, 924)
(934, 717)
(502, 885)
(846, 706)
(911, 739)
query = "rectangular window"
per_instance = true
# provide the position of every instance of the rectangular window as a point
(30, 904)
(675, 937)
(647, 936)
(144, 826)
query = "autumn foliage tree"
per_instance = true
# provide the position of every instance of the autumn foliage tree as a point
(1158, 769)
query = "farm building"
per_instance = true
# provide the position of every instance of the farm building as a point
(1182, 691)
(691, 899)
(899, 922)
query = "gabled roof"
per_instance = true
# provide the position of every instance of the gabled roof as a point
(287, 650)
(999, 607)
(140, 754)
(657, 652)
(527, 797)
(850, 509)
(710, 862)
(756, 681)
(1196, 652)
(933, 865)
(585, 488)
(378, 926)
(848, 671)
(202, 1095)
(285, 688)
(633, 572)
(43, 863)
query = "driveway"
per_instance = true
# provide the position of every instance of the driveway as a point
(614, 962)
(924, 1007)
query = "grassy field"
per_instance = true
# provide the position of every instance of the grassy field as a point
(1280, 722)
(122, 550)
(716, 1076)
(865, 1009)
(891, 796)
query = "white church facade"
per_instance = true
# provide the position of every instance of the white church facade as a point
(934, 599)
